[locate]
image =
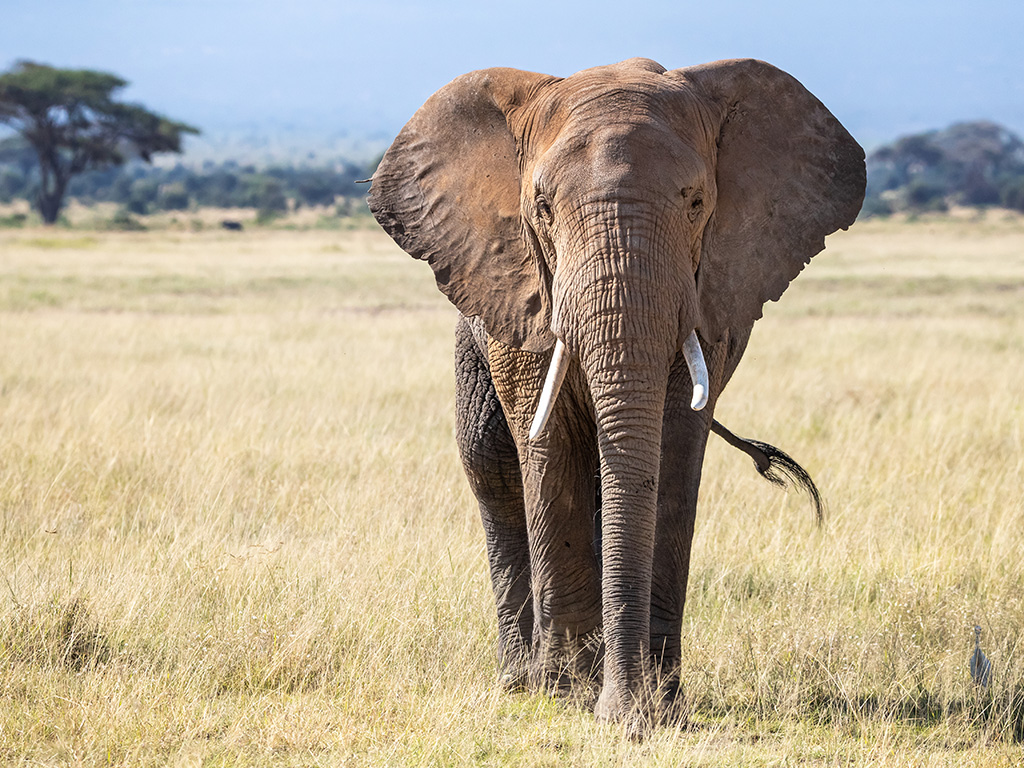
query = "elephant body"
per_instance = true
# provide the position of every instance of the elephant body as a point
(552, 641)
(609, 239)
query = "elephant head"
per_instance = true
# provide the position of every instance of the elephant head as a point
(616, 215)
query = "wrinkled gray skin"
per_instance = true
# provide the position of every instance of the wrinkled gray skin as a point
(618, 210)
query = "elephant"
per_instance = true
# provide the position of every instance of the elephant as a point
(609, 239)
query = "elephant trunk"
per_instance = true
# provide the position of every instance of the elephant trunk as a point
(559, 365)
(630, 413)
(623, 321)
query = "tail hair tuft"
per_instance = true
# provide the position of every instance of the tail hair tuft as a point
(776, 466)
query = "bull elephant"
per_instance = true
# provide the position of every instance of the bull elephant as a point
(609, 239)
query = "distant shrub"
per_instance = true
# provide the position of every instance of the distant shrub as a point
(141, 194)
(876, 205)
(975, 164)
(123, 221)
(173, 197)
(1012, 195)
(13, 183)
(316, 188)
(265, 194)
(922, 195)
(979, 190)
(14, 220)
(142, 189)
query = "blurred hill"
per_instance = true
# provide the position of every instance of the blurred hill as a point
(262, 145)
(968, 164)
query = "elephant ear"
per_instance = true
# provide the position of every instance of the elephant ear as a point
(448, 192)
(788, 174)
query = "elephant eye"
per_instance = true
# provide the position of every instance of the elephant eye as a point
(543, 209)
(696, 204)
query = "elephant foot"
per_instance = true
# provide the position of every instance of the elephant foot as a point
(666, 694)
(567, 667)
(614, 707)
(514, 668)
(670, 704)
(515, 680)
(663, 704)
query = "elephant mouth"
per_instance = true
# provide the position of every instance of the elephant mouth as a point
(559, 365)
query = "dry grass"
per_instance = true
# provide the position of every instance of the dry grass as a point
(234, 530)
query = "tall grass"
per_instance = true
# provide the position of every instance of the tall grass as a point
(234, 529)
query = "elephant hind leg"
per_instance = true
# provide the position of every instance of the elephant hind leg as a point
(491, 463)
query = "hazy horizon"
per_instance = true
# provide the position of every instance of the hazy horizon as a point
(349, 75)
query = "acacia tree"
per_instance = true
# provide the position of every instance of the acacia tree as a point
(73, 122)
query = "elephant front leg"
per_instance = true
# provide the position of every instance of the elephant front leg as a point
(561, 488)
(684, 440)
(559, 474)
(491, 462)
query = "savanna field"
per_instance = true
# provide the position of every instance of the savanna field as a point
(234, 528)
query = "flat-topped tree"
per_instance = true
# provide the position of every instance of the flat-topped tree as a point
(74, 123)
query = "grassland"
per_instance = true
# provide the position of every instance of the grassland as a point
(234, 529)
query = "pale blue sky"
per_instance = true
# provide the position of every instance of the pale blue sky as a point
(320, 67)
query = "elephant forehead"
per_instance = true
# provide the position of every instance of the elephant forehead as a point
(613, 157)
(640, 111)
(600, 94)
(616, 99)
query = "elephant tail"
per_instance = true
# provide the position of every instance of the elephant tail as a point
(775, 466)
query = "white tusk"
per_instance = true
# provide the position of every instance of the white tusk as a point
(556, 375)
(698, 371)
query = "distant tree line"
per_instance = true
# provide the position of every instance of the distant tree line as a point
(71, 121)
(970, 164)
(72, 137)
(143, 189)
